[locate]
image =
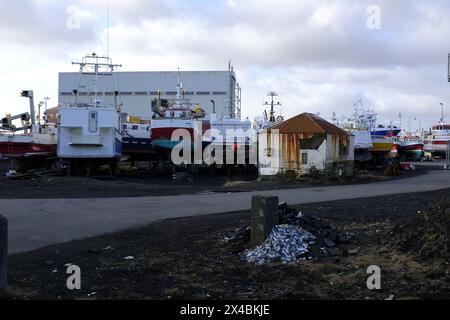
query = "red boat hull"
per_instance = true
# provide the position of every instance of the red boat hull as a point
(166, 133)
(20, 149)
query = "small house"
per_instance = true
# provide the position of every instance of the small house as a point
(306, 144)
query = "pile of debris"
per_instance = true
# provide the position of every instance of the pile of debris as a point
(297, 237)
(428, 237)
(327, 234)
(284, 244)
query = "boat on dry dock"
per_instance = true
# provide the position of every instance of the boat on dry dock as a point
(359, 125)
(412, 148)
(33, 138)
(385, 139)
(169, 116)
(91, 133)
(437, 142)
(137, 142)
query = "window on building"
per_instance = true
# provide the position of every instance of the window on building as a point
(312, 143)
(304, 158)
(268, 152)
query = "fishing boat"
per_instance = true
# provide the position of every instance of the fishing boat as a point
(33, 138)
(359, 125)
(90, 133)
(412, 146)
(169, 116)
(137, 140)
(385, 139)
(413, 150)
(439, 139)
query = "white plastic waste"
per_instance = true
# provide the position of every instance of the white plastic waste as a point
(284, 244)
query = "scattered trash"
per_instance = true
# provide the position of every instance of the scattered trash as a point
(391, 297)
(239, 234)
(285, 243)
(108, 248)
(300, 215)
(68, 265)
(353, 252)
(129, 258)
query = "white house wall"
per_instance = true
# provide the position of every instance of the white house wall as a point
(288, 157)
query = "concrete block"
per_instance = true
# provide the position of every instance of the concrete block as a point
(264, 217)
(3, 252)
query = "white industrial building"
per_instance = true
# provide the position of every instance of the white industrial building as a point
(136, 89)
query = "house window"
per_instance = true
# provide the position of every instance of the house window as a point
(312, 143)
(304, 158)
(269, 152)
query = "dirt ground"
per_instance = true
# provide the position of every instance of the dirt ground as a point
(141, 182)
(188, 259)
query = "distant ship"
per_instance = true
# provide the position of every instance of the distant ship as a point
(359, 125)
(437, 142)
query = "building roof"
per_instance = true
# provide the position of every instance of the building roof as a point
(308, 123)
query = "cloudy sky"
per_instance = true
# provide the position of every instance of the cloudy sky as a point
(320, 56)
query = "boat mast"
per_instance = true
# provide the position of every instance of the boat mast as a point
(272, 104)
(92, 65)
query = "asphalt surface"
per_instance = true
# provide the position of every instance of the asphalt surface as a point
(40, 222)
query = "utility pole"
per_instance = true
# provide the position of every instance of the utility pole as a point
(272, 105)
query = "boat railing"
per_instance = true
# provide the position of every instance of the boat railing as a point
(93, 105)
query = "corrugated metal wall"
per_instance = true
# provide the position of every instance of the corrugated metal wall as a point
(137, 88)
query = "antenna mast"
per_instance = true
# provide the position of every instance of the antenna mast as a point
(272, 105)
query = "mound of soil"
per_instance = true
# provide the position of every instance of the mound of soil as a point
(428, 236)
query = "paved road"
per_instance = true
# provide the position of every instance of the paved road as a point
(38, 223)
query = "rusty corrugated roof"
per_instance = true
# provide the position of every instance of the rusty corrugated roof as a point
(308, 123)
